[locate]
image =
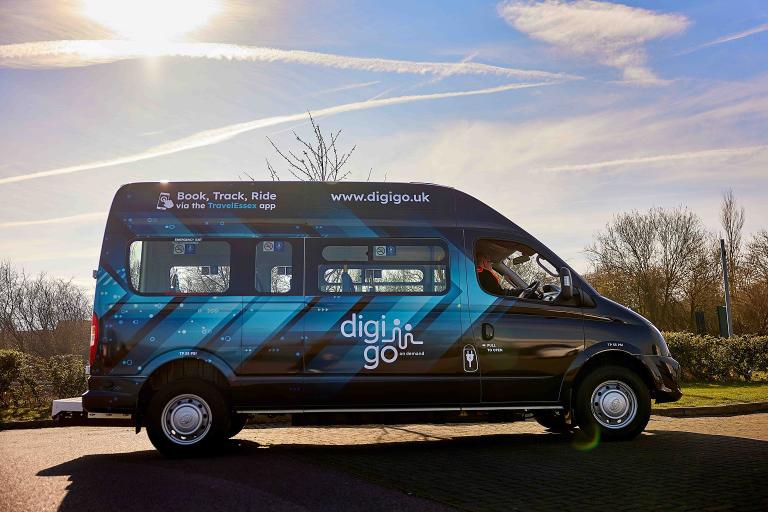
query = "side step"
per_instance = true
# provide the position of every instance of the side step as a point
(69, 411)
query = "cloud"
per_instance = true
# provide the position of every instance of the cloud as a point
(720, 153)
(81, 217)
(217, 135)
(728, 38)
(612, 34)
(684, 146)
(75, 53)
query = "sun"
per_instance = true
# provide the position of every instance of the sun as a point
(151, 20)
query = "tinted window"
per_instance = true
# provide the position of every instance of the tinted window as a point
(382, 266)
(180, 267)
(274, 267)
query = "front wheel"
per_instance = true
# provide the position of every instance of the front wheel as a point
(614, 403)
(187, 417)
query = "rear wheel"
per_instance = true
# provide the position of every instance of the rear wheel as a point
(554, 421)
(187, 417)
(236, 424)
(614, 403)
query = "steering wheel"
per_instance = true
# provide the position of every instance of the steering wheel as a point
(530, 290)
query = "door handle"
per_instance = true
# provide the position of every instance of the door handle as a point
(487, 332)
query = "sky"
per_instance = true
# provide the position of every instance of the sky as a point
(559, 114)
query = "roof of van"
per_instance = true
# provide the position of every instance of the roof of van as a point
(301, 203)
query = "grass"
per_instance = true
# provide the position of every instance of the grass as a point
(36, 412)
(705, 393)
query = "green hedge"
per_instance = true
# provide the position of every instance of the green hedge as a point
(27, 380)
(710, 358)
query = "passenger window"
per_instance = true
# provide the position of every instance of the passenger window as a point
(179, 267)
(274, 270)
(507, 268)
(383, 268)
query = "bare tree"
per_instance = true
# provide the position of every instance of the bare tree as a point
(758, 253)
(651, 261)
(753, 304)
(318, 160)
(702, 289)
(732, 221)
(42, 315)
(10, 299)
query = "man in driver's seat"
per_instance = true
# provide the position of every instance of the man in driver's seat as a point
(488, 278)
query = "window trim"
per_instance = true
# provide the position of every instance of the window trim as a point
(317, 260)
(290, 293)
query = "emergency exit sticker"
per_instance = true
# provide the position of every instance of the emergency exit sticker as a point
(180, 248)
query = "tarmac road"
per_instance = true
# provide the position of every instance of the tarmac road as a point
(678, 464)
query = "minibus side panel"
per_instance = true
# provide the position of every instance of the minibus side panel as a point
(284, 349)
(136, 328)
(272, 329)
(528, 344)
(377, 349)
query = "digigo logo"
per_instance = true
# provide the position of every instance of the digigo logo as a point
(383, 343)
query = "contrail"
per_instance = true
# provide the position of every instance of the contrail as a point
(55, 220)
(74, 53)
(216, 135)
(347, 87)
(728, 38)
(709, 153)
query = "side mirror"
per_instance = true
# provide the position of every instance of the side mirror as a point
(566, 283)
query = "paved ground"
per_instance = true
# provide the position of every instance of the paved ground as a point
(678, 464)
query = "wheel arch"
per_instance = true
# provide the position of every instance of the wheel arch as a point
(603, 356)
(184, 364)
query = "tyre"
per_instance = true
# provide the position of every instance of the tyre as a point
(554, 421)
(187, 417)
(236, 424)
(613, 403)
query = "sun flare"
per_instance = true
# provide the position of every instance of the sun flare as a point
(151, 20)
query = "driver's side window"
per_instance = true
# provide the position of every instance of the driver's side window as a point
(510, 269)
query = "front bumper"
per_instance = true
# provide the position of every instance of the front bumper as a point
(112, 394)
(665, 372)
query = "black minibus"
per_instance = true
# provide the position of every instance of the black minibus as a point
(352, 302)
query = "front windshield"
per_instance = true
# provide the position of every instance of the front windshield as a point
(533, 268)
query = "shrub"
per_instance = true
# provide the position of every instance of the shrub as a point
(66, 376)
(709, 358)
(11, 363)
(28, 380)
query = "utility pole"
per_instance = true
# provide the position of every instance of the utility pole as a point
(727, 288)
